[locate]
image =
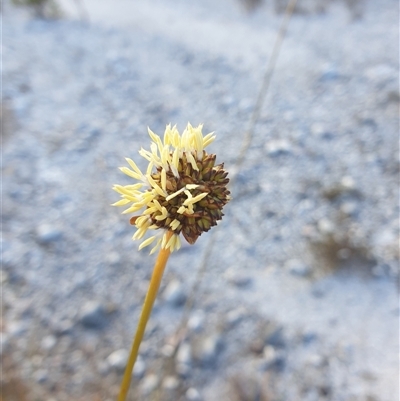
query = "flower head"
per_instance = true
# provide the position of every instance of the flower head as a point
(182, 190)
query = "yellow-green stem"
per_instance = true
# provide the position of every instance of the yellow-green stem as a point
(144, 317)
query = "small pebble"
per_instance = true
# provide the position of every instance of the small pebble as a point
(167, 350)
(325, 226)
(208, 349)
(47, 234)
(278, 147)
(348, 182)
(16, 328)
(349, 208)
(343, 254)
(272, 359)
(183, 370)
(170, 383)
(113, 258)
(192, 394)
(174, 293)
(41, 376)
(63, 327)
(298, 268)
(234, 316)
(238, 279)
(139, 368)
(48, 342)
(93, 315)
(275, 337)
(149, 383)
(184, 354)
(196, 321)
(117, 360)
(316, 360)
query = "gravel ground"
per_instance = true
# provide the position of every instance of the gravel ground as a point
(298, 299)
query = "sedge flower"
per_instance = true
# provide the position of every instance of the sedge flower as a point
(182, 190)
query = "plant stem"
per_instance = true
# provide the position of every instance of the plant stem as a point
(144, 317)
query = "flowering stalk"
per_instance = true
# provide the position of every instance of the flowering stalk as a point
(144, 317)
(182, 191)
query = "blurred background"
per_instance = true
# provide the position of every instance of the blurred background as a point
(296, 289)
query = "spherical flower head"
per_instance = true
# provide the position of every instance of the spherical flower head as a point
(182, 190)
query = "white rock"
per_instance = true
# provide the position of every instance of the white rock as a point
(48, 342)
(47, 234)
(208, 349)
(149, 383)
(184, 354)
(118, 359)
(170, 383)
(139, 368)
(192, 394)
(348, 182)
(276, 147)
(325, 226)
(196, 321)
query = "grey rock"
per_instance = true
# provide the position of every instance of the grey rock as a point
(246, 386)
(320, 289)
(41, 376)
(103, 368)
(93, 315)
(275, 336)
(63, 327)
(207, 350)
(174, 293)
(278, 147)
(272, 359)
(349, 208)
(118, 359)
(183, 370)
(298, 268)
(238, 279)
(309, 337)
(379, 271)
(16, 328)
(47, 234)
(234, 316)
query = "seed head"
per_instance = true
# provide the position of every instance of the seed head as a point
(182, 191)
